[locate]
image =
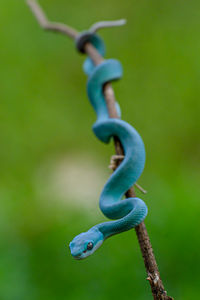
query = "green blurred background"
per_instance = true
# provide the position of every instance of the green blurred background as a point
(53, 168)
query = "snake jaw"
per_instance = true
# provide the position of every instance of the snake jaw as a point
(78, 257)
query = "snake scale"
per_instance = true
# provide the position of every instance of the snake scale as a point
(131, 211)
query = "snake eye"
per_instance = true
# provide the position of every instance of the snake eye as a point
(89, 246)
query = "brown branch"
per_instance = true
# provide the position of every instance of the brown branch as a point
(46, 24)
(154, 279)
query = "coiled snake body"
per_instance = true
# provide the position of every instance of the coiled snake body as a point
(129, 212)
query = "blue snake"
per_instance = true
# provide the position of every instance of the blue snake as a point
(131, 211)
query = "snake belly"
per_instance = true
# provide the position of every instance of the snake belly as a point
(131, 211)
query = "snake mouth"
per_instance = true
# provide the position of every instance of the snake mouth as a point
(78, 257)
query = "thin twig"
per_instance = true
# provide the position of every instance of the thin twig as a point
(46, 24)
(157, 287)
(105, 24)
(140, 188)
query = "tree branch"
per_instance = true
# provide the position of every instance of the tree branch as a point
(153, 274)
(46, 24)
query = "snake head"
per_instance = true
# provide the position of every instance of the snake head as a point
(86, 243)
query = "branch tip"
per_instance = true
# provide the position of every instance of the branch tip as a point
(105, 24)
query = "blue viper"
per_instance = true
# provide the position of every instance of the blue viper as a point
(130, 212)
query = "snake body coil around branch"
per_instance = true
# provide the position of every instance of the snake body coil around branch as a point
(131, 211)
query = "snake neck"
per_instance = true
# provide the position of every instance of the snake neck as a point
(111, 228)
(107, 229)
